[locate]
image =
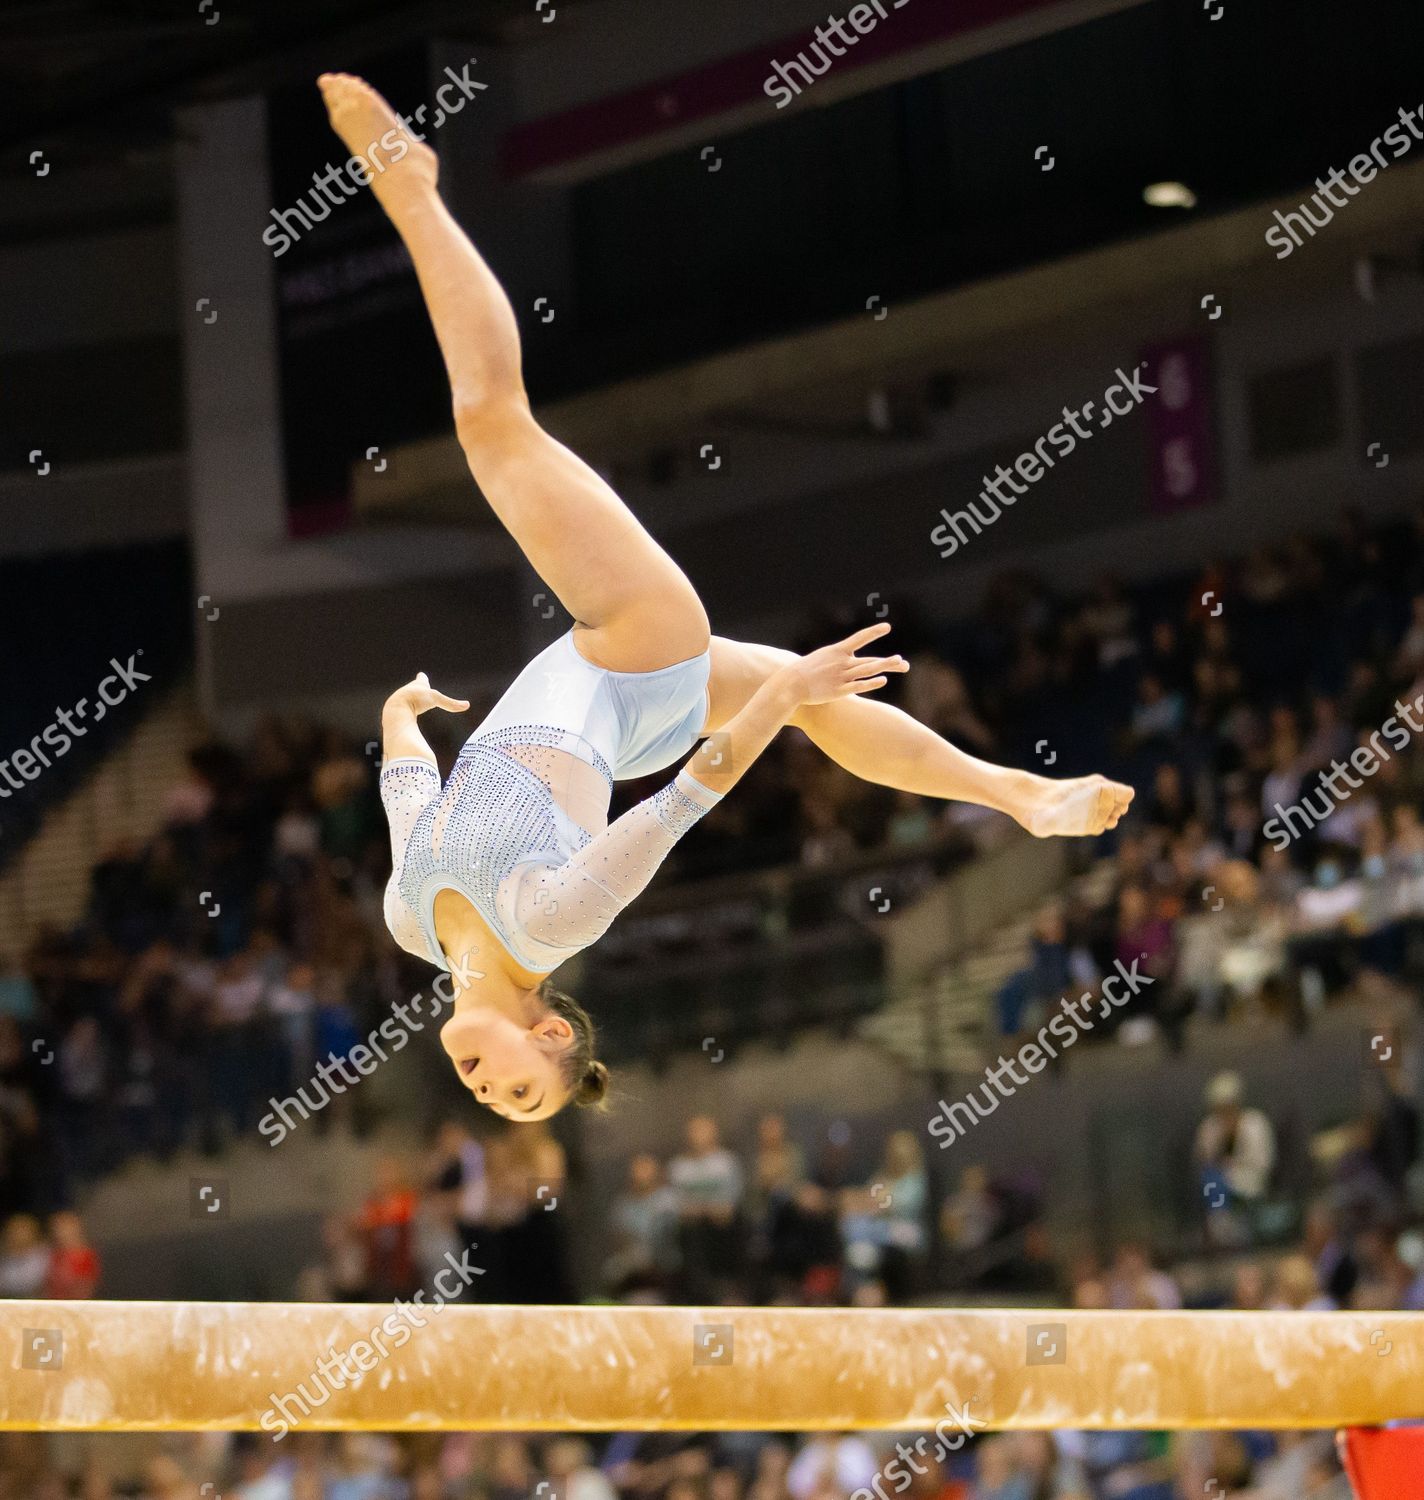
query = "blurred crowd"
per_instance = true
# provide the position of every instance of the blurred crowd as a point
(216, 963)
(490, 1201)
(702, 1227)
(1269, 713)
(817, 1217)
(1064, 1465)
(708, 1227)
(47, 1260)
(213, 967)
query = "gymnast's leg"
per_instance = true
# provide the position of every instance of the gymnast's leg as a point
(637, 609)
(879, 743)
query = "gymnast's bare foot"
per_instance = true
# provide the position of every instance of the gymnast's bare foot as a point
(401, 168)
(1073, 809)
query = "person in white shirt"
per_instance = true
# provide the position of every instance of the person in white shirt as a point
(1236, 1151)
(708, 1181)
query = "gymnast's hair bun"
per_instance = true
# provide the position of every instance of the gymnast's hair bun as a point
(593, 1086)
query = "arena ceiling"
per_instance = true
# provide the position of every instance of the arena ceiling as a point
(95, 82)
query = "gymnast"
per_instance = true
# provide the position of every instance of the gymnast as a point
(511, 867)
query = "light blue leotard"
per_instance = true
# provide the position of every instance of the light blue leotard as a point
(500, 830)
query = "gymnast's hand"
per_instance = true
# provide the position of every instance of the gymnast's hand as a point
(837, 672)
(419, 697)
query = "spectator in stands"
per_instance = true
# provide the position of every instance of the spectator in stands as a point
(528, 1172)
(24, 1258)
(341, 1275)
(971, 1215)
(18, 1001)
(1299, 1466)
(387, 1226)
(1330, 737)
(1282, 784)
(825, 839)
(569, 1464)
(883, 1222)
(83, 1068)
(1295, 1287)
(1235, 1150)
(1083, 1275)
(1249, 1285)
(1281, 884)
(296, 837)
(1159, 713)
(1327, 1247)
(911, 824)
(1146, 939)
(1170, 806)
(20, 1138)
(238, 998)
(1134, 1282)
(459, 1176)
(1327, 911)
(644, 1223)
(1241, 826)
(291, 1002)
(779, 1166)
(708, 1180)
(1251, 937)
(832, 1464)
(1028, 995)
(338, 784)
(1110, 619)
(1411, 1254)
(335, 1033)
(435, 1240)
(1368, 1159)
(1384, 1276)
(74, 1266)
(189, 801)
(778, 1173)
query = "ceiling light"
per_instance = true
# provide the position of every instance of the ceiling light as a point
(1169, 195)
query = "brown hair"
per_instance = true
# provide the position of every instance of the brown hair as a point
(585, 1077)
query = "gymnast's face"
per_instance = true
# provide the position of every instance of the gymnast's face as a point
(510, 1068)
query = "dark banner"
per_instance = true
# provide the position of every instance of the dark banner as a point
(359, 367)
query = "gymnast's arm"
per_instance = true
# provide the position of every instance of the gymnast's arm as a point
(573, 905)
(401, 738)
(410, 778)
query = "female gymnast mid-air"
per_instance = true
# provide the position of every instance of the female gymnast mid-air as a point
(512, 867)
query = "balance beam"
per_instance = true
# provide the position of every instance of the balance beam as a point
(191, 1366)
